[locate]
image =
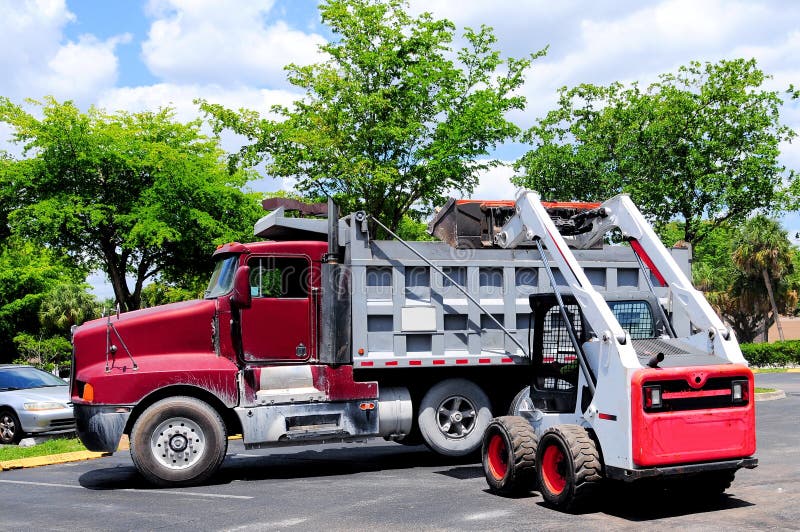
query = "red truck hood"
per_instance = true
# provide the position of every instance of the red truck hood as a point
(186, 327)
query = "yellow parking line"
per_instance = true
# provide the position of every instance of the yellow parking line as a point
(62, 458)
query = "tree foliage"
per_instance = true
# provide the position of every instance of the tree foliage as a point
(393, 119)
(702, 143)
(65, 305)
(762, 250)
(729, 267)
(27, 273)
(135, 194)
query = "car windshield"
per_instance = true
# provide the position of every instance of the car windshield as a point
(222, 279)
(20, 378)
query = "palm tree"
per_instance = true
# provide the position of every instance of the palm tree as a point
(66, 305)
(762, 248)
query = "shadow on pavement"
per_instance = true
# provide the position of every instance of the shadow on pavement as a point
(624, 502)
(294, 465)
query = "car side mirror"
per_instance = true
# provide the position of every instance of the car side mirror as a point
(241, 288)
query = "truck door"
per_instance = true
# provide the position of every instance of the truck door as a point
(277, 326)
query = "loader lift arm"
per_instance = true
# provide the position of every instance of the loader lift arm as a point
(531, 223)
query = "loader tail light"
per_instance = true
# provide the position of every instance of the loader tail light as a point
(740, 392)
(652, 397)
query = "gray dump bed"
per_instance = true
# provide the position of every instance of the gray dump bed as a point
(405, 314)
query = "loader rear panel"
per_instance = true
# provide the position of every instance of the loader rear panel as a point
(691, 414)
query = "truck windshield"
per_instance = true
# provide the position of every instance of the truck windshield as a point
(222, 279)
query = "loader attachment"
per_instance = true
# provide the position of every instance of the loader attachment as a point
(473, 224)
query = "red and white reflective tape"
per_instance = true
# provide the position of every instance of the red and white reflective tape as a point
(436, 361)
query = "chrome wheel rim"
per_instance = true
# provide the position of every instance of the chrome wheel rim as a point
(456, 417)
(178, 443)
(7, 427)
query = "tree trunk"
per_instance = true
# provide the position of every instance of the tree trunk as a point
(768, 283)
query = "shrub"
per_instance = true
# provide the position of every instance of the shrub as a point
(781, 354)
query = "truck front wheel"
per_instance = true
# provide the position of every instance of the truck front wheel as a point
(453, 416)
(179, 441)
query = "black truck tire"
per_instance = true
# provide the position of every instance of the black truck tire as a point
(568, 467)
(452, 417)
(509, 455)
(178, 441)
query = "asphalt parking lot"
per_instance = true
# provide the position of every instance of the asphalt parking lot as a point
(380, 486)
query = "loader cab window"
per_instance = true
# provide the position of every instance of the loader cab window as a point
(279, 277)
(636, 317)
(222, 278)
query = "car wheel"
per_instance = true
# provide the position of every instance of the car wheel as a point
(10, 429)
(452, 417)
(178, 441)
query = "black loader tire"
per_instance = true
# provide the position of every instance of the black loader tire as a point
(568, 467)
(509, 455)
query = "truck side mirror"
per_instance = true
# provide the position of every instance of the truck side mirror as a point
(241, 288)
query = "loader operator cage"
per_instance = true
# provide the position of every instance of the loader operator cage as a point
(555, 384)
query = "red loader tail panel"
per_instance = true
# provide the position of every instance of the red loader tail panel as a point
(692, 414)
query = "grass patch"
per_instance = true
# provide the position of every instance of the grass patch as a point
(54, 446)
(765, 390)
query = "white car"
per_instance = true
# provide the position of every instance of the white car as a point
(32, 401)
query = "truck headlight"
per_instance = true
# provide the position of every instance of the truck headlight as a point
(39, 406)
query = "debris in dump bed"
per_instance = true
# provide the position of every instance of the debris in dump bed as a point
(474, 223)
(289, 204)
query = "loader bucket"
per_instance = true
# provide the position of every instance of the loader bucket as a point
(474, 223)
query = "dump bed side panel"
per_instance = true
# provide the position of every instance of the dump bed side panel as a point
(406, 314)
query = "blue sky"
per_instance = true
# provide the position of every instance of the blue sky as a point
(133, 55)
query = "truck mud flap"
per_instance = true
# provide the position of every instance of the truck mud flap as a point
(100, 427)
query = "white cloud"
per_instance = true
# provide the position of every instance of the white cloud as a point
(37, 61)
(495, 183)
(224, 43)
(602, 42)
(181, 97)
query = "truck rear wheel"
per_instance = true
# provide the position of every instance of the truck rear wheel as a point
(568, 466)
(453, 416)
(178, 441)
(509, 455)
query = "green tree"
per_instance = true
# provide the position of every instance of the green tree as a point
(160, 293)
(762, 250)
(701, 144)
(394, 119)
(134, 194)
(45, 352)
(27, 273)
(66, 305)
